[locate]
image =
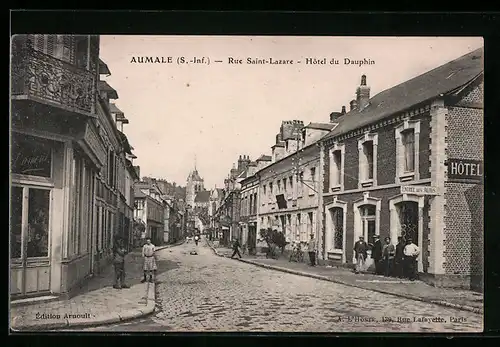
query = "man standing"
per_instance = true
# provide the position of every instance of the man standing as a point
(196, 239)
(148, 252)
(119, 252)
(388, 253)
(236, 246)
(411, 253)
(377, 255)
(311, 247)
(399, 258)
(360, 252)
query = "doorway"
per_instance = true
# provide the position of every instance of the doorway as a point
(408, 221)
(29, 240)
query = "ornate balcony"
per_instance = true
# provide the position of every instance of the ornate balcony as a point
(42, 78)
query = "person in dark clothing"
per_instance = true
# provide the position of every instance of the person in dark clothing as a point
(236, 246)
(360, 252)
(119, 252)
(388, 252)
(377, 255)
(399, 258)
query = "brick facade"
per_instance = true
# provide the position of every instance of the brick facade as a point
(463, 251)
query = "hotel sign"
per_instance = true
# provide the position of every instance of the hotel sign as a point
(465, 169)
(419, 190)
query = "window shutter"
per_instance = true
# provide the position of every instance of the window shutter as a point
(67, 49)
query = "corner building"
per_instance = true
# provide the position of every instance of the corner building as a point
(388, 172)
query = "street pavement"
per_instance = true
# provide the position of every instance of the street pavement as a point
(204, 292)
(95, 303)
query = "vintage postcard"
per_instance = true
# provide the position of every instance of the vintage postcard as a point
(246, 183)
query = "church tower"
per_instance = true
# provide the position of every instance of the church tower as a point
(194, 185)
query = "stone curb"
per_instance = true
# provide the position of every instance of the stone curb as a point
(324, 278)
(149, 308)
(215, 250)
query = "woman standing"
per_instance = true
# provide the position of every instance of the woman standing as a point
(148, 252)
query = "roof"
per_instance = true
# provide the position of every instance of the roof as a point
(124, 142)
(425, 87)
(202, 196)
(114, 109)
(264, 158)
(103, 68)
(321, 126)
(138, 192)
(195, 176)
(105, 87)
(279, 144)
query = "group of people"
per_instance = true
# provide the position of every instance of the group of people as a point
(391, 260)
(149, 265)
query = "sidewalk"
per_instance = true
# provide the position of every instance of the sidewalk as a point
(417, 290)
(97, 302)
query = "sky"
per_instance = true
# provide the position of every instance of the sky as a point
(213, 113)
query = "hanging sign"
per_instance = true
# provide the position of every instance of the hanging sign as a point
(465, 169)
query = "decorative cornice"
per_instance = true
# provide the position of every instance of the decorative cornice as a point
(377, 125)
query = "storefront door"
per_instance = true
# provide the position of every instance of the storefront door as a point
(29, 240)
(408, 218)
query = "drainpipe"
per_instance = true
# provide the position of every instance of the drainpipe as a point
(320, 216)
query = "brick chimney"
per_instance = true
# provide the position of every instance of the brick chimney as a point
(362, 94)
(353, 105)
(343, 110)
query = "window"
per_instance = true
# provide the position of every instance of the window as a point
(285, 187)
(337, 167)
(368, 224)
(407, 149)
(271, 188)
(300, 184)
(299, 228)
(310, 229)
(279, 186)
(408, 138)
(338, 227)
(367, 146)
(313, 181)
(82, 52)
(290, 180)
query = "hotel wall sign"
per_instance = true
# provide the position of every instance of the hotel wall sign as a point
(419, 190)
(465, 169)
(31, 158)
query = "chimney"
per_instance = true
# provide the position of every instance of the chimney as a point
(362, 94)
(240, 163)
(343, 110)
(334, 116)
(353, 104)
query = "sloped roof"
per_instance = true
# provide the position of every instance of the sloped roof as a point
(103, 68)
(138, 192)
(321, 126)
(114, 109)
(195, 176)
(264, 158)
(105, 87)
(202, 196)
(279, 144)
(425, 87)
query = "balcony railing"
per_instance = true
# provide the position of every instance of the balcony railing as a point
(38, 75)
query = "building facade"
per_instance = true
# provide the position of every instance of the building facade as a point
(249, 209)
(149, 210)
(408, 162)
(289, 186)
(65, 164)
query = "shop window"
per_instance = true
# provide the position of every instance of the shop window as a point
(38, 223)
(16, 219)
(31, 156)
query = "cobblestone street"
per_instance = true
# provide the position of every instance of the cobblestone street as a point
(210, 293)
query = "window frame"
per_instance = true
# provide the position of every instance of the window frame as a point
(401, 174)
(363, 180)
(334, 171)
